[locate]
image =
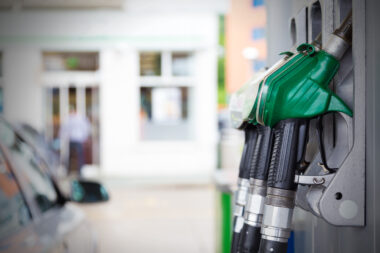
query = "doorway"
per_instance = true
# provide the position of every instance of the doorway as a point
(85, 100)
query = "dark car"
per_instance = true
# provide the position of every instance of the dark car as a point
(34, 214)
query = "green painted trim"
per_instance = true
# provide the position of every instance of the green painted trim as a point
(226, 219)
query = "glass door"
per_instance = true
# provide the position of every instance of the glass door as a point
(85, 100)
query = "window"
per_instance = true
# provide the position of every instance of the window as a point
(258, 65)
(55, 114)
(71, 61)
(150, 64)
(165, 113)
(181, 64)
(14, 211)
(37, 183)
(258, 33)
(257, 3)
(165, 95)
(72, 97)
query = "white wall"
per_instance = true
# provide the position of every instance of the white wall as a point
(119, 35)
(23, 99)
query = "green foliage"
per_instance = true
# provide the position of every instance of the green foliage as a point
(221, 82)
(72, 62)
(222, 35)
(222, 94)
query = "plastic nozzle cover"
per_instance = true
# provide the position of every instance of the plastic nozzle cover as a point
(299, 89)
(242, 105)
(242, 102)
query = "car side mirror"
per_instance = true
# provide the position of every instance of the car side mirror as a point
(88, 192)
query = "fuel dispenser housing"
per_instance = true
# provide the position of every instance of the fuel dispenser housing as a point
(335, 213)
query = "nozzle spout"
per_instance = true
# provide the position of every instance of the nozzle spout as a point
(341, 39)
(345, 29)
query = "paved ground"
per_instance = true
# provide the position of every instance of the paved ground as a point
(155, 219)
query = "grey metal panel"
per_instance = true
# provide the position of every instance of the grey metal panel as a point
(301, 24)
(314, 20)
(278, 22)
(345, 135)
(370, 20)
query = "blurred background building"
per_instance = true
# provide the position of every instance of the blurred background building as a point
(245, 56)
(246, 45)
(151, 76)
(144, 73)
(154, 78)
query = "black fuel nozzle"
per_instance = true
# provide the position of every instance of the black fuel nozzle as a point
(289, 142)
(243, 184)
(253, 214)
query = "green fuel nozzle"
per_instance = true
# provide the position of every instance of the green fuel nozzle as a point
(296, 86)
(299, 88)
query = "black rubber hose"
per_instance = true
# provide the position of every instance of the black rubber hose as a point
(250, 237)
(235, 238)
(235, 242)
(244, 172)
(267, 246)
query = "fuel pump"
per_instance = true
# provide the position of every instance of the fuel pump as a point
(253, 215)
(287, 97)
(287, 100)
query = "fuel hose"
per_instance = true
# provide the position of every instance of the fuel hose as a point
(253, 214)
(243, 185)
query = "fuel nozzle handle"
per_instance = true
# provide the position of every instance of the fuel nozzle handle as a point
(289, 141)
(243, 184)
(250, 133)
(261, 154)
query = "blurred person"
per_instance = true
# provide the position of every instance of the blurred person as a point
(75, 130)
